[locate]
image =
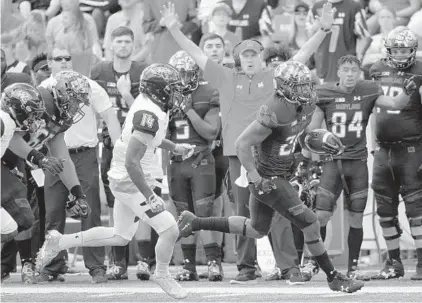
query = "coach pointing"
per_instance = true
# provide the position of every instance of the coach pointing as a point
(242, 91)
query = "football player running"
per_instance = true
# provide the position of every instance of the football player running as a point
(22, 112)
(273, 134)
(192, 182)
(398, 156)
(132, 184)
(346, 106)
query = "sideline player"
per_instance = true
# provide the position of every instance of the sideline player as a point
(120, 78)
(398, 157)
(192, 182)
(273, 134)
(131, 183)
(346, 106)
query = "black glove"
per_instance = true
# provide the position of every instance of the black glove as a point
(53, 165)
(77, 208)
(264, 186)
(409, 85)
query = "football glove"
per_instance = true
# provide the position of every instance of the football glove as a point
(51, 164)
(77, 208)
(156, 203)
(409, 85)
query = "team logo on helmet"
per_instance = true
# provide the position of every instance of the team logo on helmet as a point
(401, 38)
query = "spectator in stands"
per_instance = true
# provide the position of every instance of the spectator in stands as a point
(14, 65)
(386, 19)
(415, 25)
(75, 31)
(220, 18)
(404, 9)
(98, 10)
(130, 16)
(40, 69)
(164, 45)
(10, 19)
(33, 31)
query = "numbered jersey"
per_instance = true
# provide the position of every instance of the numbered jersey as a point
(146, 117)
(404, 125)
(8, 127)
(181, 130)
(347, 115)
(274, 156)
(54, 124)
(107, 77)
(342, 38)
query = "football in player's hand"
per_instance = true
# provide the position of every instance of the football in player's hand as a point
(321, 141)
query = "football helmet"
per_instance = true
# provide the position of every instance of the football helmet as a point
(188, 71)
(25, 106)
(161, 83)
(401, 38)
(322, 141)
(71, 92)
(293, 82)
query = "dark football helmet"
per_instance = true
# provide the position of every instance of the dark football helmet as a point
(71, 92)
(401, 38)
(25, 106)
(293, 82)
(162, 84)
(188, 71)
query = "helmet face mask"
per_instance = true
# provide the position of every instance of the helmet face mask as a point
(25, 106)
(188, 71)
(71, 93)
(401, 45)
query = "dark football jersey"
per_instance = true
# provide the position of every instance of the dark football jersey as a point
(275, 155)
(107, 77)
(347, 115)
(400, 125)
(340, 41)
(181, 130)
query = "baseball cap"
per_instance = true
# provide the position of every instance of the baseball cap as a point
(303, 5)
(248, 45)
(222, 6)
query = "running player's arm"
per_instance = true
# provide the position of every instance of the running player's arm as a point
(208, 127)
(316, 122)
(394, 103)
(307, 50)
(57, 147)
(145, 126)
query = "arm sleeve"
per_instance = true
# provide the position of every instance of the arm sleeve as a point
(146, 122)
(218, 75)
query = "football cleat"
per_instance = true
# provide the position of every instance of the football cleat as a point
(215, 271)
(28, 273)
(142, 271)
(393, 269)
(418, 275)
(49, 250)
(171, 287)
(309, 270)
(185, 224)
(187, 275)
(342, 283)
(357, 275)
(274, 275)
(116, 273)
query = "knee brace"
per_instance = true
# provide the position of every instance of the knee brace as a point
(413, 204)
(204, 207)
(416, 230)
(302, 216)
(391, 229)
(323, 216)
(325, 200)
(358, 201)
(385, 207)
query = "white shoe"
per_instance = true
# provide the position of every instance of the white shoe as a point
(171, 287)
(142, 271)
(49, 250)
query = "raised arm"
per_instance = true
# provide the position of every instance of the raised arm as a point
(169, 19)
(324, 23)
(316, 122)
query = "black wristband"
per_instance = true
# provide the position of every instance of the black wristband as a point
(77, 191)
(325, 30)
(35, 157)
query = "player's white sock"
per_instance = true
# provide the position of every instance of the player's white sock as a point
(163, 252)
(93, 237)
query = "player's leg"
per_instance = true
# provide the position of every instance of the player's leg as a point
(357, 180)
(9, 227)
(203, 185)
(329, 190)
(386, 191)
(411, 190)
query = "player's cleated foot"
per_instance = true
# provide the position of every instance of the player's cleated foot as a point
(215, 271)
(142, 271)
(116, 272)
(28, 272)
(393, 269)
(171, 287)
(357, 275)
(245, 277)
(185, 224)
(309, 270)
(418, 275)
(187, 275)
(342, 283)
(49, 250)
(274, 275)
(98, 276)
(295, 279)
(44, 277)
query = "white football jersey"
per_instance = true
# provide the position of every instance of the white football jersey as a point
(145, 112)
(9, 130)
